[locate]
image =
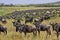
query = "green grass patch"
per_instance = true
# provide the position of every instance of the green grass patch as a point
(6, 10)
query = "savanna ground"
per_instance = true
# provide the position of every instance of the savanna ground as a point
(13, 35)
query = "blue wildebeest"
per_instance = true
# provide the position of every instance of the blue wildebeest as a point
(25, 28)
(3, 29)
(2, 19)
(28, 19)
(46, 17)
(38, 20)
(41, 27)
(56, 27)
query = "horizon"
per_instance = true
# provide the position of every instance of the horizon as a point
(27, 1)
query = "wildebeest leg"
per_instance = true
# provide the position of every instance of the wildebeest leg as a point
(25, 33)
(34, 33)
(47, 33)
(16, 29)
(5, 32)
(38, 32)
(20, 31)
(57, 34)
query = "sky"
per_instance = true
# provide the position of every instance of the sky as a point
(27, 1)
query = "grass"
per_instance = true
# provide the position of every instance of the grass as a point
(13, 35)
(5, 10)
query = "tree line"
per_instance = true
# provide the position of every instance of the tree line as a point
(34, 5)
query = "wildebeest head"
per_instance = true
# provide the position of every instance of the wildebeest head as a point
(53, 25)
(36, 22)
(14, 23)
(3, 20)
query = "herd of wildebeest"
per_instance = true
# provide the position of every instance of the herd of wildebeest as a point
(44, 15)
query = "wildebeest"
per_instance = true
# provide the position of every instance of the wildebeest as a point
(24, 28)
(3, 29)
(3, 19)
(41, 18)
(29, 29)
(28, 19)
(56, 27)
(38, 20)
(17, 25)
(46, 17)
(41, 27)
